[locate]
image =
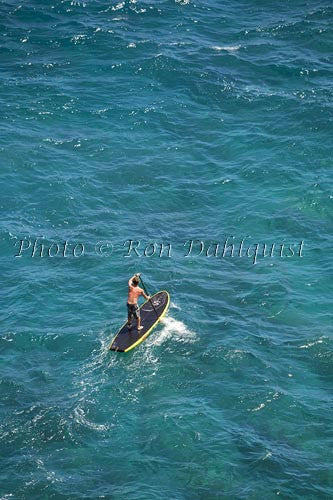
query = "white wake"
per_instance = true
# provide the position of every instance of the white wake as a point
(172, 328)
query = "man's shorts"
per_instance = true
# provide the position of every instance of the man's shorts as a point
(133, 311)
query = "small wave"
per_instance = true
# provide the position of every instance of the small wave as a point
(228, 48)
(275, 396)
(175, 329)
(80, 418)
(119, 6)
(262, 405)
(80, 38)
(311, 344)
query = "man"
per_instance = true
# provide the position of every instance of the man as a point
(134, 292)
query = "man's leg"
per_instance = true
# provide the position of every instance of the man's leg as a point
(129, 317)
(138, 317)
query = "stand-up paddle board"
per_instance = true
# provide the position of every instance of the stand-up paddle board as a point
(151, 312)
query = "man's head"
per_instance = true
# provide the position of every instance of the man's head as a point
(135, 281)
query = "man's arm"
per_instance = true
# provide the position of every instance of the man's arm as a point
(130, 280)
(147, 297)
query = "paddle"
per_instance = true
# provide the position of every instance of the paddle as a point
(146, 292)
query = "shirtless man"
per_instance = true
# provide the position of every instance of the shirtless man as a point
(134, 292)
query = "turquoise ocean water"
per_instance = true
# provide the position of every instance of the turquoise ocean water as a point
(163, 122)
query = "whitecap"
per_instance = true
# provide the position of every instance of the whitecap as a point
(79, 38)
(311, 344)
(262, 405)
(228, 48)
(119, 6)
